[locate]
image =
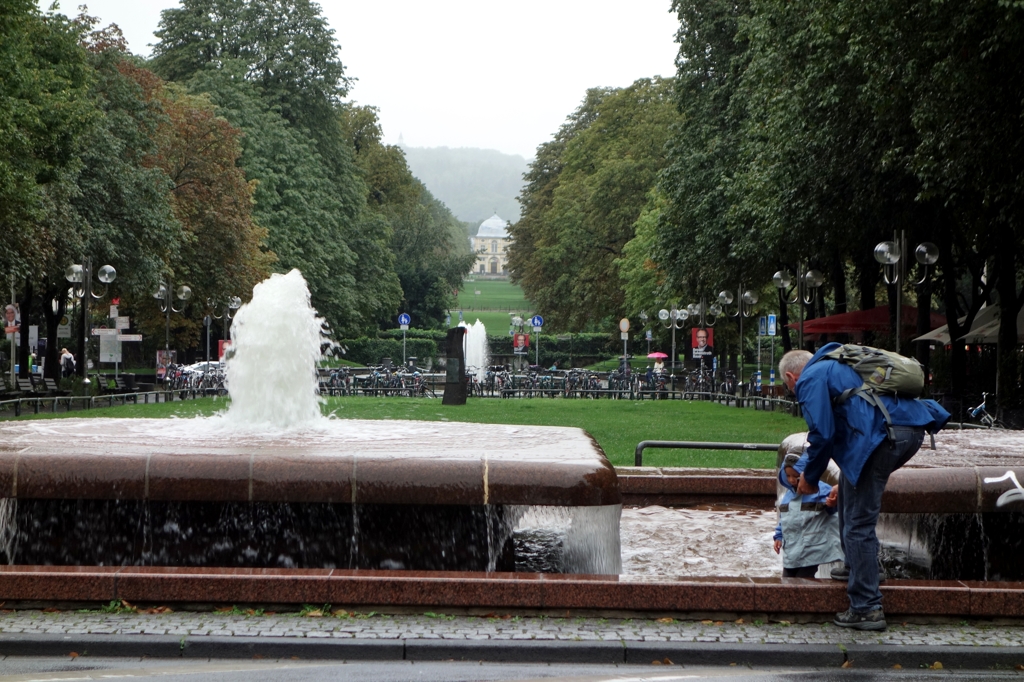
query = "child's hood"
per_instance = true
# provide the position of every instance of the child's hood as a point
(798, 462)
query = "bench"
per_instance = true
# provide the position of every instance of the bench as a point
(51, 387)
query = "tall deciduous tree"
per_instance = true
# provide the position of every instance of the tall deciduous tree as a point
(44, 110)
(104, 205)
(221, 250)
(431, 251)
(276, 65)
(586, 190)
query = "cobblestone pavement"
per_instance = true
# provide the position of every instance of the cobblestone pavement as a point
(372, 626)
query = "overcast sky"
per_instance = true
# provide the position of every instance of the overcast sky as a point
(470, 73)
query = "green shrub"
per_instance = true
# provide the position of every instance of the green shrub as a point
(369, 351)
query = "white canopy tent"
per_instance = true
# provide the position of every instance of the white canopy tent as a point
(989, 333)
(984, 330)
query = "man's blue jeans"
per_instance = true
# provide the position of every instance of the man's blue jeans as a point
(859, 507)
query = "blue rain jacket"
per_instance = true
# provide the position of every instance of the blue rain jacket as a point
(849, 432)
(808, 529)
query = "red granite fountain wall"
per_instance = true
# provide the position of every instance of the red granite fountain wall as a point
(96, 493)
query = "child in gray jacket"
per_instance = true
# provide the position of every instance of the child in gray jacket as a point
(808, 528)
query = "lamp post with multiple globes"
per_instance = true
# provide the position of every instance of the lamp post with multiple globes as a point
(81, 275)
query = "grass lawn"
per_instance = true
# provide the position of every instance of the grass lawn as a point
(495, 294)
(618, 425)
(495, 322)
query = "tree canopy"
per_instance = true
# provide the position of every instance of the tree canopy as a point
(431, 251)
(584, 192)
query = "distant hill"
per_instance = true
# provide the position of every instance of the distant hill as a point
(473, 183)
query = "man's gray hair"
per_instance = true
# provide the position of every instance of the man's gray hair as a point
(794, 362)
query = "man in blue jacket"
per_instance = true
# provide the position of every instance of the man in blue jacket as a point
(853, 433)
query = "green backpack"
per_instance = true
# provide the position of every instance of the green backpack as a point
(883, 372)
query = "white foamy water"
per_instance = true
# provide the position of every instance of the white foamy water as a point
(589, 536)
(477, 352)
(712, 541)
(276, 341)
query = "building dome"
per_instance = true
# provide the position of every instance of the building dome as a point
(493, 228)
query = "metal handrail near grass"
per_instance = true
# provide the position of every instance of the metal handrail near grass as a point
(88, 402)
(697, 445)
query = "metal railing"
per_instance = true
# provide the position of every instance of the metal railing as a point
(638, 457)
(52, 403)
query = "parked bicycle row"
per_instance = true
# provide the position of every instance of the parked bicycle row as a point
(205, 378)
(381, 380)
(500, 381)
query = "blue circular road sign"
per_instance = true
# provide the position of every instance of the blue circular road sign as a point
(404, 318)
(537, 321)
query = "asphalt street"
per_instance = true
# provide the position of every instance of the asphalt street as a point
(64, 669)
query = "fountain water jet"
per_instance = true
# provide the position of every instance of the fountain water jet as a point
(477, 351)
(277, 341)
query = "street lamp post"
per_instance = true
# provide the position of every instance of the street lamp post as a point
(704, 316)
(164, 295)
(643, 320)
(748, 299)
(673, 319)
(894, 267)
(81, 274)
(232, 303)
(516, 322)
(807, 285)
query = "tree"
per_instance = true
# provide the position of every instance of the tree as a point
(287, 48)
(429, 245)
(92, 196)
(44, 113)
(221, 249)
(579, 208)
(813, 131)
(307, 226)
(273, 69)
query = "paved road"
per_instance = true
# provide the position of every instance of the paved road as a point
(22, 669)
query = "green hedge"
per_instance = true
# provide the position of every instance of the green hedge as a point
(430, 343)
(592, 345)
(369, 351)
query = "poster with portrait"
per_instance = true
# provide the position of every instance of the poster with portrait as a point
(163, 359)
(12, 320)
(702, 342)
(520, 343)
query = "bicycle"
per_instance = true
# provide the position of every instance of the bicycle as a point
(340, 382)
(982, 415)
(728, 385)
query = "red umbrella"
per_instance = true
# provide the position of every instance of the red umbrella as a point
(657, 355)
(875, 319)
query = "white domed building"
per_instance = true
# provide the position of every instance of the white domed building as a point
(491, 246)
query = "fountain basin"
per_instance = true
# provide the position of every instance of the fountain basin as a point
(938, 521)
(340, 494)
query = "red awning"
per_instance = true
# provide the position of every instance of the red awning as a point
(873, 320)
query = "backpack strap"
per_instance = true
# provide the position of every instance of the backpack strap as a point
(868, 394)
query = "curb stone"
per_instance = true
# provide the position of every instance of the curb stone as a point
(720, 653)
(515, 651)
(863, 656)
(117, 646)
(299, 647)
(922, 656)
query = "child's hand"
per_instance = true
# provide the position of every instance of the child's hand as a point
(778, 546)
(833, 497)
